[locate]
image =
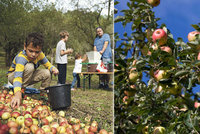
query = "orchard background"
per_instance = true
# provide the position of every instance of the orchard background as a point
(144, 101)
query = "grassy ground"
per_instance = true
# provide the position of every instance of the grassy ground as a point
(94, 103)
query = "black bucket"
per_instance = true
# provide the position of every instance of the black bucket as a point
(59, 96)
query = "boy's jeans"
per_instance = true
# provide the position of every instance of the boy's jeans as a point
(75, 78)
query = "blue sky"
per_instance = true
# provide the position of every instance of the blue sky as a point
(178, 15)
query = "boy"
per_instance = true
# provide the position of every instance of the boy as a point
(23, 71)
(77, 69)
(61, 57)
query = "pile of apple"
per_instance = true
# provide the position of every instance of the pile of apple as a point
(36, 117)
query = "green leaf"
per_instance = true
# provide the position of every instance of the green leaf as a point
(196, 27)
(196, 63)
(116, 2)
(181, 73)
(119, 18)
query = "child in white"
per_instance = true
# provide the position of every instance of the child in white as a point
(77, 69)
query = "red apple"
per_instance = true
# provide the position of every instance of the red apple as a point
(12, 124)
(25, 130)
(1, 106)
(61, 119)
(192, 35)
(44, 121)
(39, 107)
(34, 128)
(69, 130)
(15, 114)
(76, 127)
(28, 122)
(80, 131)
(198, 57)
(35, 113)
(40, 131)
(45, 107)
(5, 91)
(103, 131)
(1, 112)
(53, 130)
(160, 74)
(4, 127)
(25, 112)
(13, 130)
(153, 3)
(93, 129)
(65, 124)
(160, 36)
(166, 49)
(46, 128)
(129, 93)
(44, 113)
(125, 100)
(196, 104)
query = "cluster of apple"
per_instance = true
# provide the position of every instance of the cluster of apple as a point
(33, 116)
(158, 38)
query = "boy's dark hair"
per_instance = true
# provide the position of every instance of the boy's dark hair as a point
(35, 38)
(77, 56)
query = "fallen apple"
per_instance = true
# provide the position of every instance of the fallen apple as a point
(61, 113)
(6, 115)
(34, 128)
(28, 122)
(12, 124)
(13, 130)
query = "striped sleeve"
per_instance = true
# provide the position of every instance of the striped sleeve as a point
(20, 62)
(45, 61)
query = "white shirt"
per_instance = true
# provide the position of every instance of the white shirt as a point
(60, 59)
(78, 66)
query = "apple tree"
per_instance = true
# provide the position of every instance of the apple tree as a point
(155, 75)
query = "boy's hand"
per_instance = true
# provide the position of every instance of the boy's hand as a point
(16, 100)
(55, 71)
(70, 50)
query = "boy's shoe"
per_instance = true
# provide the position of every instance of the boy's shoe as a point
(73, 89)
(106, 86)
